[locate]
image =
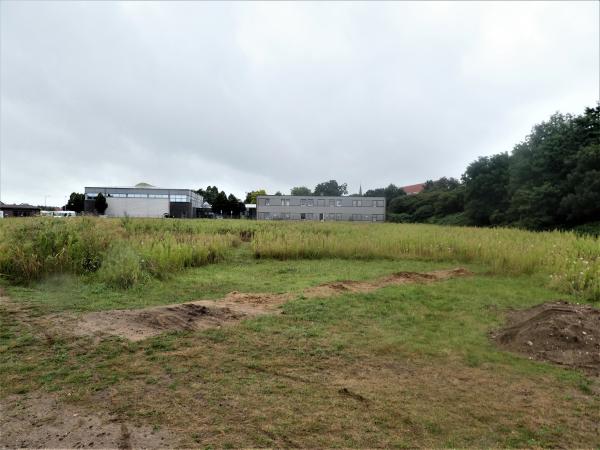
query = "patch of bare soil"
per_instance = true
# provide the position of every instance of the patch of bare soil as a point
(340, 287)
(560, 332)
(53, 424)
(143, 323)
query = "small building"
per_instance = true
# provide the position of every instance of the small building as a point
(22, 210)
(144, 200)
(320, 208)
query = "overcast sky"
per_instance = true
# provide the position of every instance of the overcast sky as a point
(275, 95)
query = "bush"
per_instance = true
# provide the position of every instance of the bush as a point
(121, 267)
(33, 248)
(589, 229)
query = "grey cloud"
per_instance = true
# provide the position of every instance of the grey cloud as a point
(273, 95)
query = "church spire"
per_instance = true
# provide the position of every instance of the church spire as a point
(360, 189)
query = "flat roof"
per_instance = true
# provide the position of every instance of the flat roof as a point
(321, 196)
(142, 187)
(21, 206)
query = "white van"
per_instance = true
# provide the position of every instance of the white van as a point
(58, 213)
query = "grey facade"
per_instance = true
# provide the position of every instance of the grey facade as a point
(287, 207)
(146, 201)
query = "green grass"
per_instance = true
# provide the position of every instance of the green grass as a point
(72, 293)
(404, 366)
(415, 361)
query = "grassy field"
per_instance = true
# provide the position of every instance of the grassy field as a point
(402, 366)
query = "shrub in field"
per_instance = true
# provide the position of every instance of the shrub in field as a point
(121, 267)
(30, 249)
(170, 253)
(33, 248)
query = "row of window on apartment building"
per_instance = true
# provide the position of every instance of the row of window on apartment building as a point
(323, 202)
(313, 216)
(173, 198)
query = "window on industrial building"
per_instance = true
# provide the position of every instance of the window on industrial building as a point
(356, 216)
(321, 202)
(267, 202)
(91, 195)
(302, 202)
(302, 216)
(310, 202)
(158, 195)
(379, 203)
(179, 198)
(117, 195)
(338, 203)
(338, 217)
(309, 216)
(332, 202)
(285, 202)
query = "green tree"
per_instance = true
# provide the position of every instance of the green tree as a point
(443, 184)
(486, 190)
(220, 204)
(76, 202)
(251, 196)
(582, 203)
(209, 194)
(390, 193)
(442, 198)
(235, 206)
(331, 188)
(100, 204)
(300, 191)
(542, 187)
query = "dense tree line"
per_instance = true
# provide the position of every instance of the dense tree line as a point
(550, 180)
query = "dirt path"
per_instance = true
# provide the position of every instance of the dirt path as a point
(144, 323)
(51, 423)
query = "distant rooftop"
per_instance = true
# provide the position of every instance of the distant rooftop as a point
(138, 186)
(20, 206)
(413, 188)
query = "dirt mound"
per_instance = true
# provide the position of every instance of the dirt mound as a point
(560, 332)
(255, 300)
(143, 323)
(340, 287)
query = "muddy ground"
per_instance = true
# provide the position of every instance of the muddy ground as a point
(144, 323)
(560, 332)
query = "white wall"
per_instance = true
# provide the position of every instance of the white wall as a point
(137, 207)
